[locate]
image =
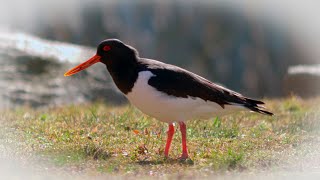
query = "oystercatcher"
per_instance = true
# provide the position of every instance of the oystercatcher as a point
(164, 91)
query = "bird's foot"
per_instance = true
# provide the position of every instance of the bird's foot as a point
(184, 156)
(166, 156)
(184, 159)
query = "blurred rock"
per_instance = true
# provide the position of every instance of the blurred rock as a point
(303, 80)
(32, 71)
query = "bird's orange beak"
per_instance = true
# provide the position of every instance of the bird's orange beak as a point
(83, 66)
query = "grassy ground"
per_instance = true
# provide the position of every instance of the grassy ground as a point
(97, 139)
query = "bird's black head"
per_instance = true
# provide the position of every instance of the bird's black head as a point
(113, 51)
(110, 51)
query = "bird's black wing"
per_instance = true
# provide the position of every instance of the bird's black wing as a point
(179, 82)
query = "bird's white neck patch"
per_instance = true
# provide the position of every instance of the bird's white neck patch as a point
(143, 77)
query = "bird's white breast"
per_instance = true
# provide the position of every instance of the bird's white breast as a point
(170, 108)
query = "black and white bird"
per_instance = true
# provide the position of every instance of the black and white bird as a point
(166, 92)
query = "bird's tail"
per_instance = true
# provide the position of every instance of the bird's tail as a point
(256, 106)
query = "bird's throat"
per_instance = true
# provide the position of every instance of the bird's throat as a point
(124, 75)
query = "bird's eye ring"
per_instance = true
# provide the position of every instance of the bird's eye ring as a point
(106, 48)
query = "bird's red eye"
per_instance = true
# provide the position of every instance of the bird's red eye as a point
(106, 48)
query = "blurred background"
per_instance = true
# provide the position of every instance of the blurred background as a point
(251, 47)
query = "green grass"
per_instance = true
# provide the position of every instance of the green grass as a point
(100, 139)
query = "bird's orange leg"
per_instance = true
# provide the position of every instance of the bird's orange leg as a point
(184, 140)
(169, 139)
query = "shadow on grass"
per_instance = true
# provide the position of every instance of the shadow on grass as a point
(171, 161)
